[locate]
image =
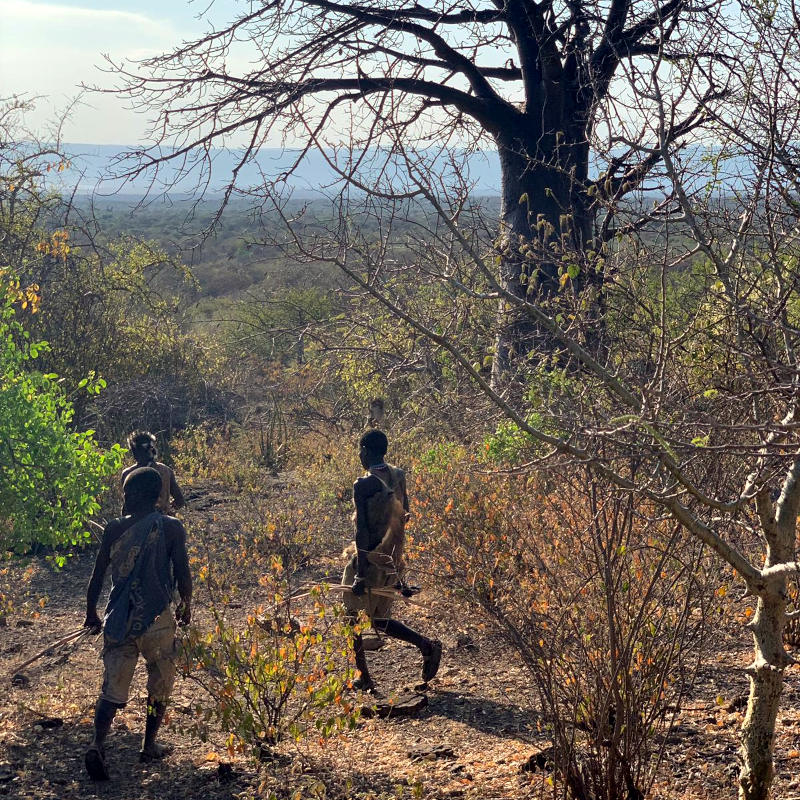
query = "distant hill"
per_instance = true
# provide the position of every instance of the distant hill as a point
(93, 167)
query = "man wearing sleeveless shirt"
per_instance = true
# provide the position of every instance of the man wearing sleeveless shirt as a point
(146, 554)
(381, 511)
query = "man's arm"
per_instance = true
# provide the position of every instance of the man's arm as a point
(127, 471)
(96, 581)
(183, 577)
(175, 490)
(405, 494)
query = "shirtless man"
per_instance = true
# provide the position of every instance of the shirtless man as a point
(142, 445)
(147, 555)
(381, 503)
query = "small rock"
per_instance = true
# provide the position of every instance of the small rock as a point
(50, 722)
(407, 705)
(431, 752)
(24, 623)
(18, 679)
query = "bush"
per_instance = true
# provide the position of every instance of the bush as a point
(598, 596)
(275, 676)
(50, 475)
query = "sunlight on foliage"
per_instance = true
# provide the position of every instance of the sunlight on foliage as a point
(275, 677)
(50, 475)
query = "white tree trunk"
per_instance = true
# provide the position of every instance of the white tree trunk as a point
(778, 527)
(766, 685)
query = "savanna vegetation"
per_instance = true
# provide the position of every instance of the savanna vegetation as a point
(592, 381)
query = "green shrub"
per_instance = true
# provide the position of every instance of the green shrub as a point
(273, 677)
(50, 475)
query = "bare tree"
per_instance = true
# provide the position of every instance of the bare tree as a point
(696, 395)
(550, 85)
(697, 383)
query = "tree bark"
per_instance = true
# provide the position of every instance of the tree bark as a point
(545, 226)
(770, 657)
(766, 687)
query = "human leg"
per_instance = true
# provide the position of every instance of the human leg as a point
(119, 662)
(158, 648)
(152, 750)
(95, 756)
(397, 630)
(364, 681)
(431, 649)
(353, 605)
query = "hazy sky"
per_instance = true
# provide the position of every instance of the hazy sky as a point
(48, 48)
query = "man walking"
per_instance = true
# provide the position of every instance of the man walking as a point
(142, 445)
(147, 555)
(381, 511)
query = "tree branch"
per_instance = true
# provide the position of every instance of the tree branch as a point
(394, 21)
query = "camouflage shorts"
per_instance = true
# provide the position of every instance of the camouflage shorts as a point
(158, 646)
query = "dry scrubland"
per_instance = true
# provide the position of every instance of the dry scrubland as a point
(255, 536)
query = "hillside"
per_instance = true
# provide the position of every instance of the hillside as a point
(480, 729)
(94, 167)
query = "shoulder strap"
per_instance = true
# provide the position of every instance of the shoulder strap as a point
(388, 485)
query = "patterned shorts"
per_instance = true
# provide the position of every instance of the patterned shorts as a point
(158, 646)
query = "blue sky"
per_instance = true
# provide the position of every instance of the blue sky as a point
(48, 48)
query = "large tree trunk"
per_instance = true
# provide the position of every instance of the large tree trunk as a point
(770, 657)
(544, 227)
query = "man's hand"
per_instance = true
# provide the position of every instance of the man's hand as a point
(183, 613)
(93, 622)
(359, 587)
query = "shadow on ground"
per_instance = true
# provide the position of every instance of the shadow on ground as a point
(52, 761)
(487, 716)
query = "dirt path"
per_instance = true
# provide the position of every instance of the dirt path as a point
(469, 742)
